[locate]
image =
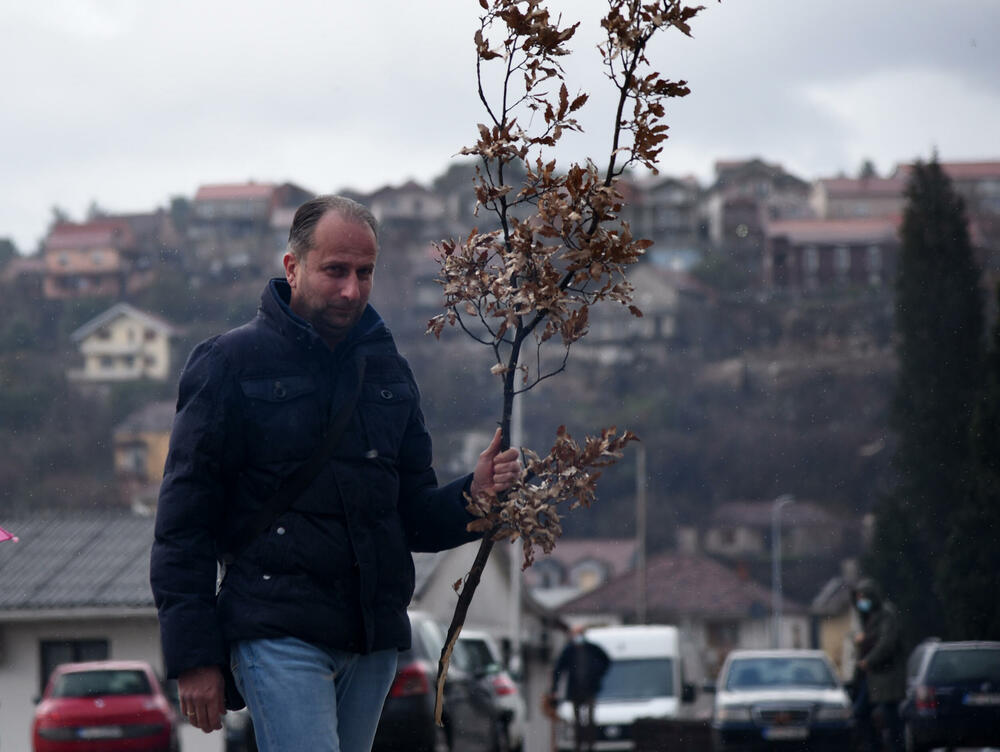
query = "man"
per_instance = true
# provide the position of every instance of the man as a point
(311, 612)
(583, 664)
(881, 661)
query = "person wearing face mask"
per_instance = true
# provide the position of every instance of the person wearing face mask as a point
(583, 664)
(882, 677)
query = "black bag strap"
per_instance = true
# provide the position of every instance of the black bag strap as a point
(296, 484)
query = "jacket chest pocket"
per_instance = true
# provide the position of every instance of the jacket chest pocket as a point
(282, 416)
(385, 409)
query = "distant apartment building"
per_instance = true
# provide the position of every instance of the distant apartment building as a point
(809, 255)
(107, 256)
(237, 226)
(123, 344)
(99, 258)
(666, 210)
(858, 198)
(748, 193)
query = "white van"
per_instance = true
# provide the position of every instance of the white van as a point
(645, 680)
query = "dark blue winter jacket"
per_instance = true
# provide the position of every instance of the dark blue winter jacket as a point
(336, 569)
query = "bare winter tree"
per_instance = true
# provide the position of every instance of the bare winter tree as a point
(559, 246)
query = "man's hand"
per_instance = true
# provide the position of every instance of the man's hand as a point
(495, 471)
(202, 697)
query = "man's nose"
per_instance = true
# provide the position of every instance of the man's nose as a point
(351, 288)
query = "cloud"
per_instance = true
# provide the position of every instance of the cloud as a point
(904, 114)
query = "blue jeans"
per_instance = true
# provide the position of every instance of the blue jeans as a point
(306, 697)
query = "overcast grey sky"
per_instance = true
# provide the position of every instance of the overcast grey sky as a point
(128, 102)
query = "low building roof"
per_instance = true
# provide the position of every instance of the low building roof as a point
(863, 187)
(98, 233)
(679, 586)
(122, 309)
(76, 560)
(758, 514)
(156, 417)
(864, 230)
(235, 191)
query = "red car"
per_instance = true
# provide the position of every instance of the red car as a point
(105, 706)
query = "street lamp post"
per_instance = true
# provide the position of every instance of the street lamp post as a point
(780, 503)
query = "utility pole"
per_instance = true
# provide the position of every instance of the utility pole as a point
(640, 534)
(777, 505)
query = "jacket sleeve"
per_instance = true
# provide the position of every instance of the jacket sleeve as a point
(183, 568)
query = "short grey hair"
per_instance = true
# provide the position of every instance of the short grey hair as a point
(307, 216)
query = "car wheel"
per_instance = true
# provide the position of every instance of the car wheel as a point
(501, 739)
(441, 743)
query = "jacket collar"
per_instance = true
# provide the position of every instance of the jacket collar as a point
(275, 308)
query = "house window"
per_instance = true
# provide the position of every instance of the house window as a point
(106, 362)
(874, 265)
(149, 335)
(810, 260)
(841, 261)
(722, 634)
(55, 652)
(63, 259)
(104, 333)
(129, 361)
(727, 537)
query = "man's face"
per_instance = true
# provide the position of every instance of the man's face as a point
(331, 284)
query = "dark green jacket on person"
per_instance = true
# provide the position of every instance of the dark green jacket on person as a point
(884, 660)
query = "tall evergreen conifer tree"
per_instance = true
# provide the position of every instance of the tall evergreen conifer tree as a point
(939, 323)
(969, 571)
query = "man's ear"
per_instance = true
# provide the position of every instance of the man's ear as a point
(291, 264)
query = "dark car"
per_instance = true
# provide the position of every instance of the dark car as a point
(105, 706)
(472, 721)
(773, 699)
(952, 695)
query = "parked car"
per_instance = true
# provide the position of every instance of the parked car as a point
(952, 695)
(486, 662)
(471, 719)
(766, 699)
(105, 706)
(645, 680)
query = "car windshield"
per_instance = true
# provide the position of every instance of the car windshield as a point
(756, 673)
(93, 683)
(639, 679)
(959, 665)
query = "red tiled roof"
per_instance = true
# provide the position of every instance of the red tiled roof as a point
(834, 230)
(235, 191)
(99, 232)
(839, 187)
(680, 585)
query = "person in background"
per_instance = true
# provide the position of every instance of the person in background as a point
(882, 669)
(581, 667)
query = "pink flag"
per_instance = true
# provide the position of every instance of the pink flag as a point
(4, 535)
